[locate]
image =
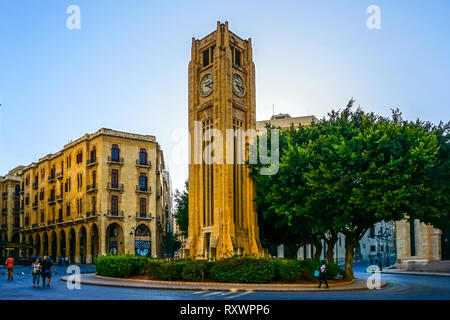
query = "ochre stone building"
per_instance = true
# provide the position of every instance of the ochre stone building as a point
(102, 193)
(222, 216)
(10, 206)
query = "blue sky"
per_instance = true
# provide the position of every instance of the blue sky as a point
(126, 68)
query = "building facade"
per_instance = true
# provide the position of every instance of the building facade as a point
(102, 193)
(222, 216)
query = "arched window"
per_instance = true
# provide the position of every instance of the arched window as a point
(115, 153)
(142, 231)
(143, 156)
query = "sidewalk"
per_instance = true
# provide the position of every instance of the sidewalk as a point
(93, 279)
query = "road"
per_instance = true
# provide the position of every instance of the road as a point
(399, 287)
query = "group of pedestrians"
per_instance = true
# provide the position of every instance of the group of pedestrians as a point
(39, 269)
(42, 269)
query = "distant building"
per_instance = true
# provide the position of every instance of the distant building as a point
(102, 193)
(284, 121)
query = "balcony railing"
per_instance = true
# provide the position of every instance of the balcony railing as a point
(59, 198)
(115, 160)
(140, 189)
(114, 214)
(21, 210)
(16, 210)
(59, 220)
(143, 164)
(50, 222)
(59, 175)
(91, 162)
(35, 185)
(51, 200)
(16, 194)
(114, 186)
(91, 188)
(52, 178)
(4, 210)
(34, 205)
(16, 227)
(144, 216)
(5, 195)
(3, 226)
(91, 214)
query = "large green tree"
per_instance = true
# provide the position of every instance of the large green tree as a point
(349, 171)
(182, 209)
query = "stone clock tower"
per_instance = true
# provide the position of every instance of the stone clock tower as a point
(222, 216)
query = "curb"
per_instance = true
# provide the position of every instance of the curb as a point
(93, 279)
(417, 273)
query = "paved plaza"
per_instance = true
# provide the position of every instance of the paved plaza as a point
(399, 287)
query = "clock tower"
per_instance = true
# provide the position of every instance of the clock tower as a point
(222, 215)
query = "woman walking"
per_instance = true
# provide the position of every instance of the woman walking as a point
(36, 272)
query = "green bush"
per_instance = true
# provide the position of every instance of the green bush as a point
(120, 266)
(243, 270)
(196, 270)
(231, 270)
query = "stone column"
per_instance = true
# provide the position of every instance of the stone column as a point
(77, 246)
(58, 244)
(88, 247)
(67, 233)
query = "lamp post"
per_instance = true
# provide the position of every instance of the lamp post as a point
(384, 235)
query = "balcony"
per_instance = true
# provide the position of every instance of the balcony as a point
(91, 188)
(16, 210)
(51, 200)
(50, 222)
(91, 162)
(21, 210)
(144, 216)
(5, 195)
(143, 164)
(114, 186)
(4, 210)
(34, 205)
(35, 185)
(59, 175)
(115, 214)
(147, 190)
(52, 178)
(91, 214)
(3, 226)
(59, 198)
(17, 194)
(118, 161)
(16, 227)
(158, 194)
(59, 220)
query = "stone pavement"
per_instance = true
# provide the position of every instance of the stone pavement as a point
(93, 279)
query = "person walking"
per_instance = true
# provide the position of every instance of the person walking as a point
(9, 263)
(323, 274)
(36, 272)
(46, 267)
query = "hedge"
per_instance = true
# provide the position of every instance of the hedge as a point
(231, 270)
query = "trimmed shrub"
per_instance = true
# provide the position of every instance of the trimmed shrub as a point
(288, 270)
(196, 270)
(170, 270)
(243, 270)
(119, 266)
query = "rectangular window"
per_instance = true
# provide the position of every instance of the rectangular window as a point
(205, 57)
(412, 238)
(114, 178)
(143, 182)
(143, 207)
(237, 57)
(115, 205)
(68, 209)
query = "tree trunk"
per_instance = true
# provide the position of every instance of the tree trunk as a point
(319, 247)
(349, 255)
(330, 249)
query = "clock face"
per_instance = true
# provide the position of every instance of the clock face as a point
(238, 85)
(206, 85)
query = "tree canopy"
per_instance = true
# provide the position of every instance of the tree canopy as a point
(348, 171)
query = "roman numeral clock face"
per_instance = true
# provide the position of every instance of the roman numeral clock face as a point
(238, 85)
(206, 85)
